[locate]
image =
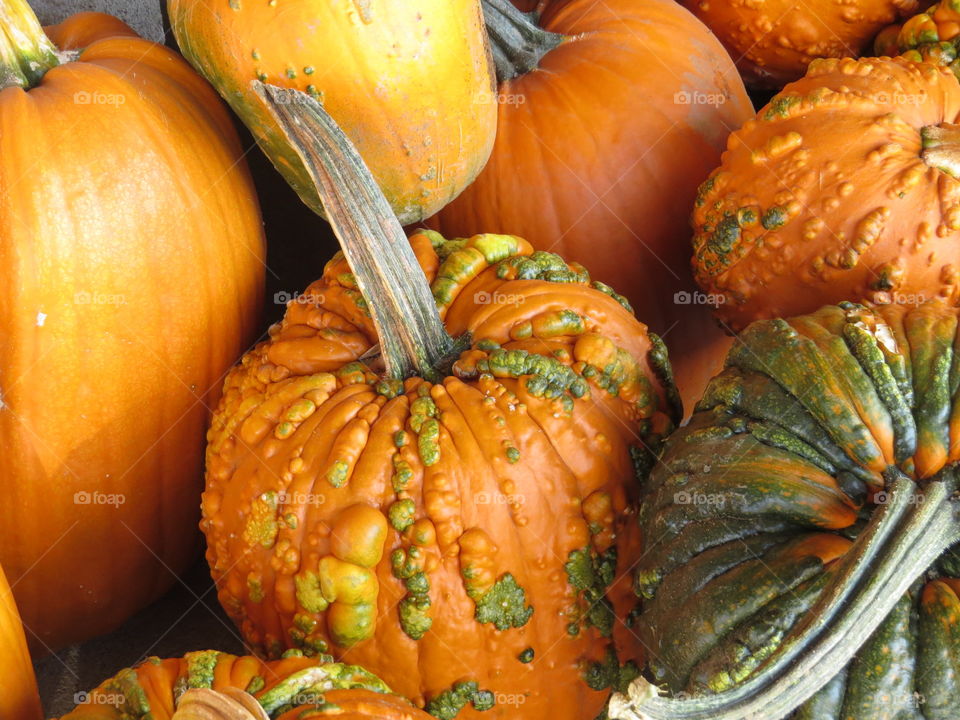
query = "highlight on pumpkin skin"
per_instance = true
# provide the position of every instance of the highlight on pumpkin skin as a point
(825, 435)
(211, 685)
(789, 222)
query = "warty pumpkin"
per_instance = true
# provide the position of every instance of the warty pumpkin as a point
(931, 35)
(797, 531)
(211, 685)
(19, 699)
(774, 41)
(842, 188)
(604, 132)
(405, 80)
(453, 515)
(132, 254)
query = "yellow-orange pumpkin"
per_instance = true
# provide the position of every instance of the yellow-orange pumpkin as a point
(19, 699)
(132, 256)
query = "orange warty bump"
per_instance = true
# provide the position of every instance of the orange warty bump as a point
(843, 188)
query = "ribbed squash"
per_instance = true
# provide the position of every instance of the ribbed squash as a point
(405, 80)
(132, 251)
(774, 41)
(843, 188)
(820, 462)
(211, 685)
(604, 132)
(19, 699)
(457, 512)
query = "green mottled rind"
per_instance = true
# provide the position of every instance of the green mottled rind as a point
(504, 605)
(448, 704)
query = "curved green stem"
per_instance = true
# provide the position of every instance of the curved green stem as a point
(412, 337)
(517, 42)
(902, 540)
(26, 53)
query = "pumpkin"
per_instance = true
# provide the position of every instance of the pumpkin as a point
(211, 685)
(405, 80)
(931, 35)
(441, 512)
(842, 188)
(132, 255)
(797, 559)
(19, 699)
(613, 189)
(773, 42)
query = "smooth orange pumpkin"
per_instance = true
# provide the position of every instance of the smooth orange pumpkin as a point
(19, 699)
(843, 188)
(132, 254)
(774, 41)
(405, 80)
(452, 515)
(601, 143)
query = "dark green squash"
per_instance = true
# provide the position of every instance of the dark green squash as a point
(797, 531)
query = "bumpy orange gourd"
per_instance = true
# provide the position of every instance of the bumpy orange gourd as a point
(286, 689)
(600, 148)
(132, 253)
(931, 35)
(843, 188)
(405, 80)
(464, 529)
(774, 41)
(19, 699)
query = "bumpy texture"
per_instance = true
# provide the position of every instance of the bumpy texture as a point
(293, 688)
(827, 196)
(774, 41)
(462, 538)
(784, 458)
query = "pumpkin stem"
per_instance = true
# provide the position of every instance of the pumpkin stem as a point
(413, 340)
(903, 539)
(941, 147)
(26, 53)
(517, 41)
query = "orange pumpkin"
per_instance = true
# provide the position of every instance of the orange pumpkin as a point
(843, 188)
(931, 35)
(404, 80)
(132, 255)
(603, 136)
(19, 699)
(211, 685)
(774, 41)
(456, 512)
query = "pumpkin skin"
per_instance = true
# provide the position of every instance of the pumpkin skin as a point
(152, 689)
(763, 491)
(401, 79)
(133, 250)
(19, 699)
(826, 195)
(613, 190)
(774, 41)
(425, 506)
(931, 35)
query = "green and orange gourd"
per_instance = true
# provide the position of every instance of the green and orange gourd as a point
(405, 80)
(132, 251)
(454, 515)
(801, 531)
(844, 187)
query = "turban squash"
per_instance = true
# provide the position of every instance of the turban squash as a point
(402, 78)
(823, 433)
(132, 253)
(844, 187)
(211, 685)
(613, 188)
(19, 699)
(774, 41)
(458, 522)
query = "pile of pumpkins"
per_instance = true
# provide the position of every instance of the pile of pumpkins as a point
(463, 477)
